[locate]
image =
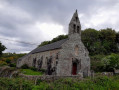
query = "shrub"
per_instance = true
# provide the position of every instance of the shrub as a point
(8, 61)
(110, 62)
(15, 84)
(43, 70)
(33, 68)
(25, 66)
(2, 63)
(12, 65)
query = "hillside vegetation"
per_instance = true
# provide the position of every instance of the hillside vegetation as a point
(104, 54)
(101, 44)
(103, 41)
(10, 59)
(98, 83)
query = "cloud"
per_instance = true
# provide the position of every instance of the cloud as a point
(41, 20)
(102, 18)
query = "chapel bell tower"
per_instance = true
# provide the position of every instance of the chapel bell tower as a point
(74, 25)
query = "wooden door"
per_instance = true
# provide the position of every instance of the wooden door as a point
(74, 69)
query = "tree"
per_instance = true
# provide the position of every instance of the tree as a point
(60, 37)
(2, 48)
(110, 62)
(108, 34)
(90, 38)
(117, 37)
(44, 43)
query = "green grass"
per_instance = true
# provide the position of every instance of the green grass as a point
(98, 83)
(30, 72)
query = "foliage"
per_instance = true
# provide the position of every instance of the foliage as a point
(30, 72)
(100, 42)
(15, 84)
(24, 66)
(111, 62)
(103, 41)
(98, 83)
(2, 63)
(43, 70)
(12, 65)
(2, 48)
(60, 37)
(96, 63)
(33, 68)
(10, 59)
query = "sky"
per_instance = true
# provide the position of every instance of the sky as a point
(34, 21)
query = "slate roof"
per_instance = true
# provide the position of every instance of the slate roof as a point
(55, 45)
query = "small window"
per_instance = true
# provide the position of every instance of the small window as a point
(74, 28)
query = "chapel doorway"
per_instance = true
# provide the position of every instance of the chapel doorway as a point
(74, 69)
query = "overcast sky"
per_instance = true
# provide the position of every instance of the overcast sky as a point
(35, 21)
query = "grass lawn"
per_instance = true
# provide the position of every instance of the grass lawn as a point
(30, 72)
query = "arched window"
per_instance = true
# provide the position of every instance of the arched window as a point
(77, 29)
(74, 28)
(76, 50)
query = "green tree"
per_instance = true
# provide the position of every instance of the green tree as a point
(60, 37)
(2, 48)
(108, 39)
(44, 43)
(117, 37)
(110, 62)
(90, 38)
(108, 34)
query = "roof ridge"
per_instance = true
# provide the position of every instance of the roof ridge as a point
(51, 46)
(53, 42)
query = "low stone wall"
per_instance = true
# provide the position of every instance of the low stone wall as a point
(104, 74)
(47, 77)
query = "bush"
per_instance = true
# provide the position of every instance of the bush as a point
(15, 84)
(98, 83)
(12, 65)
(2, 63)
(43, 70)
(33, 68)
(8, 61)
(25, 66)
(110, 62)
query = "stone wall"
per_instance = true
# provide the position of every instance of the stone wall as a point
(68, 56)
(47, 77)
(43, 60)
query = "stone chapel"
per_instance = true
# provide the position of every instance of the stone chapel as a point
(62, 58)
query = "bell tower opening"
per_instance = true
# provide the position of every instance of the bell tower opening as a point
(77, 29)
(74, 27)
(76, 19)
